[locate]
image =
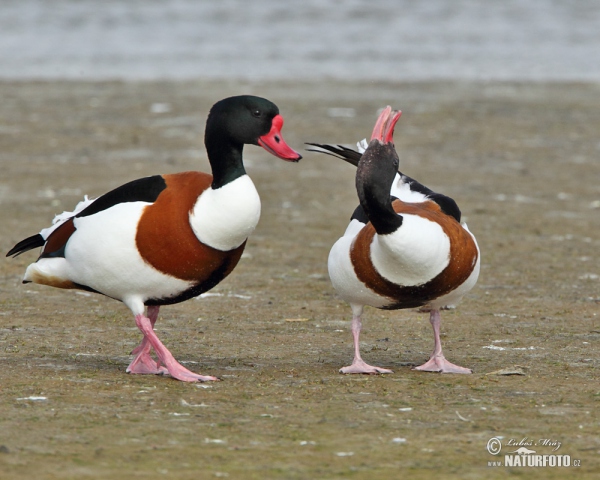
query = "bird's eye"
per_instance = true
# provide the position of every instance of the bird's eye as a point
(257, 113)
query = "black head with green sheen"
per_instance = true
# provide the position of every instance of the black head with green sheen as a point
(246, 119)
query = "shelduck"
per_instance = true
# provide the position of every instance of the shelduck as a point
(404, 247)
(164, 239)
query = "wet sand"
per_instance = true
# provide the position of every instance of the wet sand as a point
(520, 159)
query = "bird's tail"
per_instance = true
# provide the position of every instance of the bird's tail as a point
(27, 244)
(338, 151)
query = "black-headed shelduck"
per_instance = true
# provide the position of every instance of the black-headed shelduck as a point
(164, 239)
(404, 247)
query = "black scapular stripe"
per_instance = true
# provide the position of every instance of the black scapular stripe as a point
(145, 189)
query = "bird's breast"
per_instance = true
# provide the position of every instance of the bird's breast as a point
(433, 256)
(171, 234)
(223, 218)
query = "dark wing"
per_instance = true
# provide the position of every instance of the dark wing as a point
(447, 204)
(145, 189)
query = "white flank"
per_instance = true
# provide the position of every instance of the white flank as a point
(225, 217)
(102, 254)
(342, 275)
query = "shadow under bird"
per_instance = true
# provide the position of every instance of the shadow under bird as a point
(405, 246)
(164, 239)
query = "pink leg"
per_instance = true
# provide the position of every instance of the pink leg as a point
(358, 364)
(437, 362)
(143, 363)
(152, 316)
(174, 368)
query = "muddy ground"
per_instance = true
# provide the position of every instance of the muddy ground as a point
(520, 159)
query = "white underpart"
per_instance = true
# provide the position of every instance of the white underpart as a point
(412, 255)
(343, 276)
(351, 289)
(416, 253)
(61, 218)
(103, 255)
(225, 217)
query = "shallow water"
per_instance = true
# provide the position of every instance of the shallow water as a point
(312, 39)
